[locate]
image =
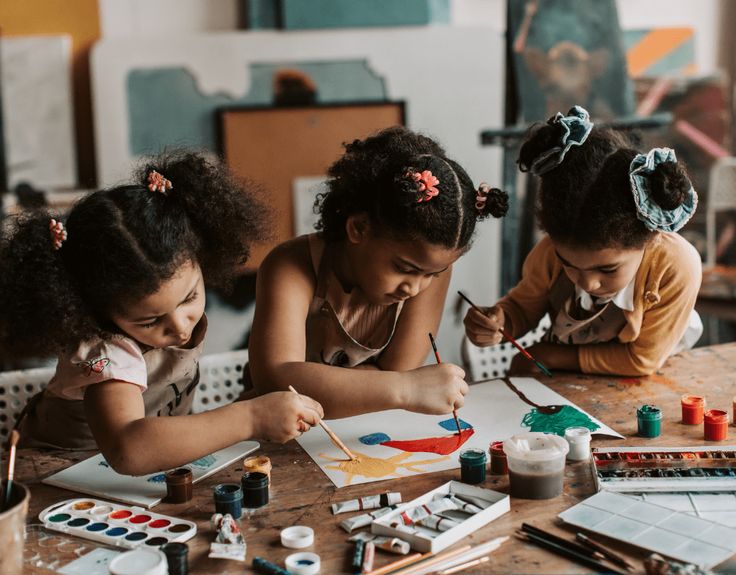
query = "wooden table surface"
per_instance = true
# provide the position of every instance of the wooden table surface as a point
(301, 493)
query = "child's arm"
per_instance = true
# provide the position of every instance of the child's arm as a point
(136, 445)
(277, 351)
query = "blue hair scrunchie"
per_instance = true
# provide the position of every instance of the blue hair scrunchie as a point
(577, 127)
(647, 210)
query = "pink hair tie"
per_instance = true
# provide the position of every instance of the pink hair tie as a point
(57, 233)
(157, 183)
(426, 183)
(481, 196)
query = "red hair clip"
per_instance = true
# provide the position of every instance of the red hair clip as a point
(57, 233)
(157, 183)
(426, 183)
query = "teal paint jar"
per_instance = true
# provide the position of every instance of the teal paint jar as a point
(473, 466)
(649, 419)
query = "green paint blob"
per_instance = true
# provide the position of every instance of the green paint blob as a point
(558, 422)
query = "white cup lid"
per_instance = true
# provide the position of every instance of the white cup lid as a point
(303, 563)
(535, 446)
(140, 561)
(297, 537)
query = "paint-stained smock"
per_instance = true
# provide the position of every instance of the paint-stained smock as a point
(343, 328)
(167, 378)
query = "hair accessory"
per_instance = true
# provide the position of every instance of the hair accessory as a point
(577, 127)
(481, 196)
(647, 210)
(58, 233)
(157, 183)
(426, 183)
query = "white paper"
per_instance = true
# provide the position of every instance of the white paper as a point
(491, 408)
(94, 476)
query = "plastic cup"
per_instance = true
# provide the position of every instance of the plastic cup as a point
(12, 529)
(536, 464)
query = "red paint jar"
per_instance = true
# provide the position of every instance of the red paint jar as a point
(692, 409)
(499, 463)
(715, 425)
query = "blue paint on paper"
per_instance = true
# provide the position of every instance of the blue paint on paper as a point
(450, 425)
(158, 478)
(374, 438)
(205, 462)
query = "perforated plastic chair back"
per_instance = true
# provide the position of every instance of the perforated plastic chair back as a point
(720, 196)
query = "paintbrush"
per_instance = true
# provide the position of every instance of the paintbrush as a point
(335, 439)
(607, 553)
(513, 342)
(12, 442)
(464, 566)
(437, 357)
(566, 552)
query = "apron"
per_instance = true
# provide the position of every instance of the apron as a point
(173, 376)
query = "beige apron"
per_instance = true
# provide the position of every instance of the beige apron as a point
(173, 376)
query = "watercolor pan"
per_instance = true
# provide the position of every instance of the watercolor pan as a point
(664, 469)
(114, 524)
(493, 504)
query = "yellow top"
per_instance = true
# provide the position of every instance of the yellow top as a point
(665, 289)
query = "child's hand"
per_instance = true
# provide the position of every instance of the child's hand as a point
(435, 389)
(283, 415)
(484, 329)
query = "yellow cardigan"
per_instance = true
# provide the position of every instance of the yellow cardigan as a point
(665, 289)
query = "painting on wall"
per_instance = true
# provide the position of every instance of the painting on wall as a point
(396, 443)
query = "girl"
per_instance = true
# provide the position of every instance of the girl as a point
(118, 294)
(618, 283)
(345, 313)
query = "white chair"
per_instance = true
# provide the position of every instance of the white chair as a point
(720, 196)
(220, 383)
(493, 362)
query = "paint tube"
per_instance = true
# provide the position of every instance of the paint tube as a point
(234, 551)
(398, 524)
(368, 502)
(438, 523)
(390, 544)
(479, 501)
(411, 516)
(229, 543)
(359, 521)
(461, 505)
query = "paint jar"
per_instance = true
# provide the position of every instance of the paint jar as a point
(499, 464)
(12, 529)
(692, 409)
(649, 420)
(177, 558)
(733, 406)
(255, 489)
(139, 561)
(715, 426)
(259, 463)
(229, 499)
(179, 485)
(536, 464)
(578, 440)
(473, 466)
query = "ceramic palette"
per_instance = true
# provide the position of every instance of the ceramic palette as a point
(114, 524)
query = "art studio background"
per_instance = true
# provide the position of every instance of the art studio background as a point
(275, 86)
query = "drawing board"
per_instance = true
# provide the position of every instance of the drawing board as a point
(397, 443)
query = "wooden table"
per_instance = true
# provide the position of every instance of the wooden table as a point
(301, 493)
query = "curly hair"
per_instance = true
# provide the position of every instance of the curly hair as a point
(374, 177)
(586, 201)
(122, 244)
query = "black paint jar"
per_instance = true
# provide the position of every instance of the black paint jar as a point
(255, 489)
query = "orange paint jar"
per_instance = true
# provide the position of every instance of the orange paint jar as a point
(715, 426)
(692, 409)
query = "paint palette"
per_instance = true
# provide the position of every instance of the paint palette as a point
(116, 525)
(664, 469)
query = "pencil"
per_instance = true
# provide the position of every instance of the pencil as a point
(566, 552)
(13, 442)
(335, 439)
(437, 357)
(408, 560)
(607, 553)
(431, 561)
(463, 566)
(513, 342)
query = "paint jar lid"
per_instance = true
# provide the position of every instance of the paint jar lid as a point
(497, 449)
(228, 492)
(254, 480)
(577, 435)
(181, 475)
(694, 400)
(175, 549)
(472, 456)
(649, 413)
(297, 537)
(140, 561)
(303, 563)
(715, 416)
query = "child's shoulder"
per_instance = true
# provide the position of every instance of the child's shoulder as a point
(677, 250)
(290, 258)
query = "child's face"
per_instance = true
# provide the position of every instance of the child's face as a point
(168, 316)
(389, 271)
(603, 272)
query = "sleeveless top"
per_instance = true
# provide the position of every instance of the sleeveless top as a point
(56, 418)
(343, 328)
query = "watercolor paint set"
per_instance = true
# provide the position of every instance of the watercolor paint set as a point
(115, 525)
(664, 469)
(443, 516)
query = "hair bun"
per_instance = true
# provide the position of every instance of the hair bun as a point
(669, 185)
(495, 201)
(540, 139)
